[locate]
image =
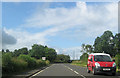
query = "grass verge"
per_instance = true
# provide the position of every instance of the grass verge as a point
(79, 63)
(118, 70)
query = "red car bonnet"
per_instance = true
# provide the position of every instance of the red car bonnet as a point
(106, 64)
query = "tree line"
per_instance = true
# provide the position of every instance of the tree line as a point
(23, 59)
(37, 51)
(106, 43)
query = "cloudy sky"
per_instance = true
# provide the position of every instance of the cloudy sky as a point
(63, 26)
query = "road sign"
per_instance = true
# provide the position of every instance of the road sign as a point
(43, 58)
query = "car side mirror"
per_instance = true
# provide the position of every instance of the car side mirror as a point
(113, 60)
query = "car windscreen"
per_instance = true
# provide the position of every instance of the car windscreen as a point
(103, 58)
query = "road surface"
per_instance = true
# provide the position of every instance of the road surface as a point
(68, 71)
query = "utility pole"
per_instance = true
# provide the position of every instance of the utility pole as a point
(73, 55)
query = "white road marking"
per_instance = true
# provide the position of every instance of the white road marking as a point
(37, 73)
(83, 76)
(40, 71)
(71, 69)
(55, 64)
(75, 71)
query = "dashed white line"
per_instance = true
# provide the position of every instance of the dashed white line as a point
(71, 69)
(75, 72)
(83, 76)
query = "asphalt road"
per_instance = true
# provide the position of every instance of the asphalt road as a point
(69, 71)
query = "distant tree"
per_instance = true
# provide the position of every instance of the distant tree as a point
(7, 50)
(39, 51)
(87, 48)
(20, 51)
(50, 54)
(61, 58)
(3, 50)
(83, 48)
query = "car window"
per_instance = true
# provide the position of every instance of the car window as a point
(104, 58)
(92, 59)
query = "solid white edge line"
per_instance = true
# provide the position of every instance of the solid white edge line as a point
(39, 72)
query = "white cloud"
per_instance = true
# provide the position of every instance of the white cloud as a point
(25, 39)
(7, 39)
(73, 52)
(93, 19)
(88, 20)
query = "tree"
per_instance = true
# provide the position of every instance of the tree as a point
(7, 50)
(104, 43)
(50, 54)
(37, 51)
(87, 48)
(3, 50)
(97, 45)
(116, 42)
(61, 58)
(20, 51)
(83, 48)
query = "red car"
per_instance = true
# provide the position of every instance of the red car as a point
(101, 62)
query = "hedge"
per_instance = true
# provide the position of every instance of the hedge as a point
(31, 61)
(117, 60)
(15, 64)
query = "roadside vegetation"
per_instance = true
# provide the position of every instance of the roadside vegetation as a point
(82, 62)
(106, 43)
(60, 58)
(24, 59)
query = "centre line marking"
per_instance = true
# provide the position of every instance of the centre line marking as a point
(75, 71)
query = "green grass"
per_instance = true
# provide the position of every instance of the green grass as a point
(79, 63)
(118, 70)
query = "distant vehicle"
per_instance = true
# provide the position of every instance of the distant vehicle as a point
(69, 61)
(101, 62)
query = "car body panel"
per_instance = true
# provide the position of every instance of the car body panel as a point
(104, 66)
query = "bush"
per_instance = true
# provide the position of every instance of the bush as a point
(7, 63)
(31, 61)
(117, 60)
(47, 62)
(84, 57)
(40, 63)
(19, 64)
(15, 64)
